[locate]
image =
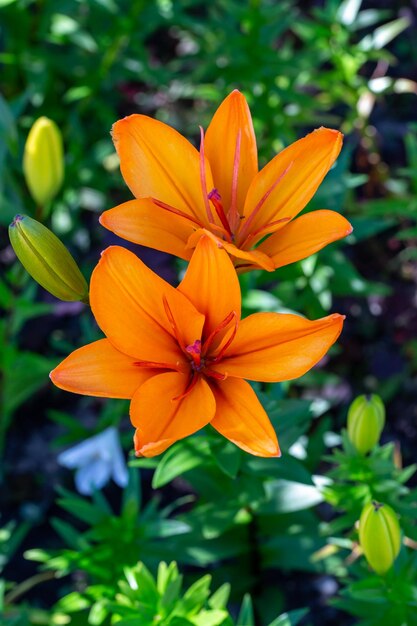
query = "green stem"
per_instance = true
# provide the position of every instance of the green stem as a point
(28, 584)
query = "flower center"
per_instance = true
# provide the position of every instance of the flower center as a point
(201, 356)
(194, 350)
(233, 227)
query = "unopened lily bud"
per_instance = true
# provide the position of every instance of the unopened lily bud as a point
(43, 161)
(47, 260)
(365, 421)
(379, 536)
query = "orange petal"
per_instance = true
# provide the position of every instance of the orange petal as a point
(253, 257)
(232, 116)
(143, 222)
(157, 162)
(161, 419)
(211, 283)
(241, 418)
(301, 167)
(271, 347)
(98, 369)
(127, 300)
(305, 236)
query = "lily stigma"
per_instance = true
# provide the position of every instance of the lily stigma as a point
(182, 193)
(182, 355)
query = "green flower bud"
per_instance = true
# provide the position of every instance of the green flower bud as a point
(379, 536)
(47, 260)
(365, 421)
(43, 161)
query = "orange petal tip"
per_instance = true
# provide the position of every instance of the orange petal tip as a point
(107, 250)
(270, 452)
(123, 120)
(337, 318)
(104, 220)
(331, 135)
(276, 454)
(331, 131)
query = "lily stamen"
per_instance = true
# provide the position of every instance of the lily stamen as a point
(261, 202)
(190, 386)
(215, 199)
(213, 374)
(173, 325)
(253, 237)
(223, 350)
(223, 233)
(208, 342)
(172, 209)
(153, 364)
(203, 177)
(233, 214)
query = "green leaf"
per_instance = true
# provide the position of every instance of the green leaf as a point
(6, 295)
(72, 537)
(8, 129)
(286, 467)
(172, 591)
(195, 597)
(227, 456)
(141, 580)
(166, 575)
(348, 11)
(138, 621)
(132, 495)
(25, 373)
(177, 621)
(384, 34)
(246, 616)
(365, 227)
(210, 618)
(74, 602)
(291, 418)
(166, 528)
(286, 496)
(80, 508)
(292, 618)
(220, 598)
(181, 458)
(98, 613)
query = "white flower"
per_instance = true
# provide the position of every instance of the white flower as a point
(97, 460)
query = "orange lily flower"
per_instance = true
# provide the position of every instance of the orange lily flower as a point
(180, 192)
(181, 354)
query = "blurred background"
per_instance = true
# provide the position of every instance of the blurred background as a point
(349, 65)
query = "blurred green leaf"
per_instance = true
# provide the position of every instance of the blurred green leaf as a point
(246, 615)
(292, 618)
